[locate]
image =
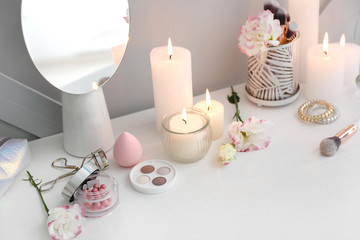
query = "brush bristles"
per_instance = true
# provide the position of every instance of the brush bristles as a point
(329, 146)
(288, 18)
(281, 15)
(272, 6)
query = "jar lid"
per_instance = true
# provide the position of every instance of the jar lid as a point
(85, 174)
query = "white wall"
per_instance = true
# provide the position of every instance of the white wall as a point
(209, 28)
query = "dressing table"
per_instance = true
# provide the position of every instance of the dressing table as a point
(286, 191)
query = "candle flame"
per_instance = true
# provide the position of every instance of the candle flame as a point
(208, 100)
(170, 50)
(326, 43)
(94, 86)
(342, 40)
(183, 115)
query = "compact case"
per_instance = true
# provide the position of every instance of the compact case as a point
(153, 176)
(95, 203)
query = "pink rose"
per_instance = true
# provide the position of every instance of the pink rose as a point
(259, 32)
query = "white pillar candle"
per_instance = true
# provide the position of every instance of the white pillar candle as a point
(306, 14)
(325, 75)
(215, 110)
(172, 79)
(352, 61)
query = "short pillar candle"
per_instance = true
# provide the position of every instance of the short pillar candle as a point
(215, 110)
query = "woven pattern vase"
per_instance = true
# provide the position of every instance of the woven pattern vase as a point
(273, 74)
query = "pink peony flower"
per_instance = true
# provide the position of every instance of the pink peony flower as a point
(250, 135)
(259, 32)
(65, 222)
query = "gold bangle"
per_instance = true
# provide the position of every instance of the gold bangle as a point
(302, 111)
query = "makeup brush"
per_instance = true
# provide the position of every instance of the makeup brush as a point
(329, 146)
(293, 28)
(281, 16)
(290, 33)
(288, 18)
(272, 6)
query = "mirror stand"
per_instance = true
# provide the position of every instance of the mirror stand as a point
(86, 123)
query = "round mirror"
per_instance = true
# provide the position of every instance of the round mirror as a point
(76, 44)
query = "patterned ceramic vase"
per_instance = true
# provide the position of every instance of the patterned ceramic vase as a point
(273, 74)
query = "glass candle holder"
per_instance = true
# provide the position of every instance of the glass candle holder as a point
(186, 140)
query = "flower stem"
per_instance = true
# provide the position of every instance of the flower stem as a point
(236, 99)
(32, 181)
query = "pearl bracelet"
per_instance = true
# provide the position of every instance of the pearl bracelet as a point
(302, 111)
(332, 118)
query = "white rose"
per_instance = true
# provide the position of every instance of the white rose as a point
(250, 135)
(65, 222)
(226, 153)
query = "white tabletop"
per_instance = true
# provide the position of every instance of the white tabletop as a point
(286, 191)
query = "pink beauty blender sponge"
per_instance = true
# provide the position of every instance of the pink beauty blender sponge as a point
(127, 150)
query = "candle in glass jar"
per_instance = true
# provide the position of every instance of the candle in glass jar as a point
(186, 134)
(185, 123)
(172, 79)
(215, 110)
(325, 71)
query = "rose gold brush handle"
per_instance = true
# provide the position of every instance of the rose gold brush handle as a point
(347, 132)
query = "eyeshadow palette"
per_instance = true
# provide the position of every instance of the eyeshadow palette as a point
(153, 176)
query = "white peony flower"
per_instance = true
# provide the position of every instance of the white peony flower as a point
(259, 32)
(226, 153)
(250, 135)
(65, 222)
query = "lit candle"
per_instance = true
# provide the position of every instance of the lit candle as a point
(352, 61)
(215, 110)
(306, 14)
(186, 134)
(325, 71)
(185, 123)
(172, 79)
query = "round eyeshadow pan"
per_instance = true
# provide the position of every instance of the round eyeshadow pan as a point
(158, 181)
(153, 176)
(147, 169)
(163, 171)
(143, 179)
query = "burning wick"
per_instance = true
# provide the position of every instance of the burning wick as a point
(208, 100)
(326, 43)
(183, 115)
(170, 51)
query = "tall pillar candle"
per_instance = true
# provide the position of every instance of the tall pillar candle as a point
(306, 14)
(215, 110)
(352, 61)
(325, 75)
(172, 79)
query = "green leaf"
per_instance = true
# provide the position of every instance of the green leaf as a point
(233, 97)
